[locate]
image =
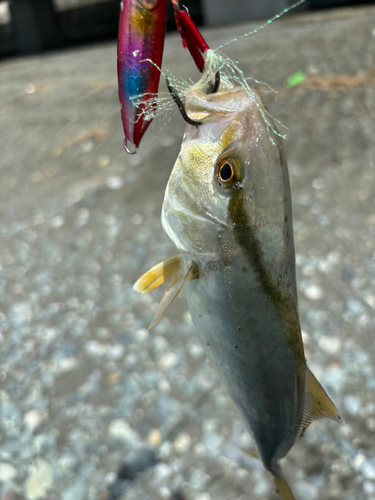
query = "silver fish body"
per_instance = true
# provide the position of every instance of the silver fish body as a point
(227, 208)
(244, 339)
(244, 304)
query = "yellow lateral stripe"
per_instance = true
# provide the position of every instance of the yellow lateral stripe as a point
(157, 275)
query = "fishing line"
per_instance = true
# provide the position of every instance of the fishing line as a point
(215, 62)
(163, 103)
(270, 21)
(213, 58)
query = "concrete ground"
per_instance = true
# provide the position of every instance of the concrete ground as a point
(93, 406)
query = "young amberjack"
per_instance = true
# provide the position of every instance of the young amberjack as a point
(227, 208)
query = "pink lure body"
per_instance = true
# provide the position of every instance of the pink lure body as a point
(141, 37)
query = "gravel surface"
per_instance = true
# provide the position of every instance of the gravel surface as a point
(93, 406)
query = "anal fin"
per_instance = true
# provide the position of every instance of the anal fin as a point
(253, 452)
(317, 403)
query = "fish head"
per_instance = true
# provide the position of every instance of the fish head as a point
(229, 185)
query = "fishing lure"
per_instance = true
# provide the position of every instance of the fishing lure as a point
(140, 40)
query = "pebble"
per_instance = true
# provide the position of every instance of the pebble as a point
(165, 492)
(368, 468)
(199, 449)
(168, 361)
(261, 487)
(66, 365)
(368, 487)
(314, 292)
(199, 478)
(160, 344)
(203, 496)
(141, 335)
(162, 472)
(57, 221)
(154, 437)
(7, 472)
(212, 440)
(195, 350)
(137, 219)
(182, 442)
(66, 462)
(39, 481)
(165, 450)
(330, 345)
(76, 491)
(352, 404)
(333, 378)
(82, 217)
(306, 490)
(21, 313)
(9, 410)
(103, 160)
(34, 418)
(121, 430)
(370, 300)
(354, 307)
(30, 88)
(115, 182)
(318, 183)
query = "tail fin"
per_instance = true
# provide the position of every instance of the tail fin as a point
(282, 487)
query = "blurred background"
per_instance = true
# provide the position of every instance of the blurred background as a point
(92, 404)
(29, 26)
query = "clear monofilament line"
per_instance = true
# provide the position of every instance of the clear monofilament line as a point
(234, 75)
(270, 21)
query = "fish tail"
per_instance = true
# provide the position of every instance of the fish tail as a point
(282, 487)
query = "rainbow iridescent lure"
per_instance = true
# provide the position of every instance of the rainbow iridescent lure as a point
(140, 40)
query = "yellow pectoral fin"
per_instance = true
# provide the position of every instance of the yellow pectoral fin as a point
(159, 274)
(173, 292)
(317, 403)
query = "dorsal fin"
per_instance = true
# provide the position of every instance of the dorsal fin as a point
(317, 403)
(160, 274)
(173, 292)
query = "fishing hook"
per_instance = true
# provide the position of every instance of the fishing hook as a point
(214, 87)
(180, 105)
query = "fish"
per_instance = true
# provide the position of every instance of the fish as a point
(227, 208)
(140, 47)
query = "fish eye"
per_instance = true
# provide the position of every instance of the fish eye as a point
(225, 173)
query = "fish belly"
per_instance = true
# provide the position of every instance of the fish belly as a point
(244, 338)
